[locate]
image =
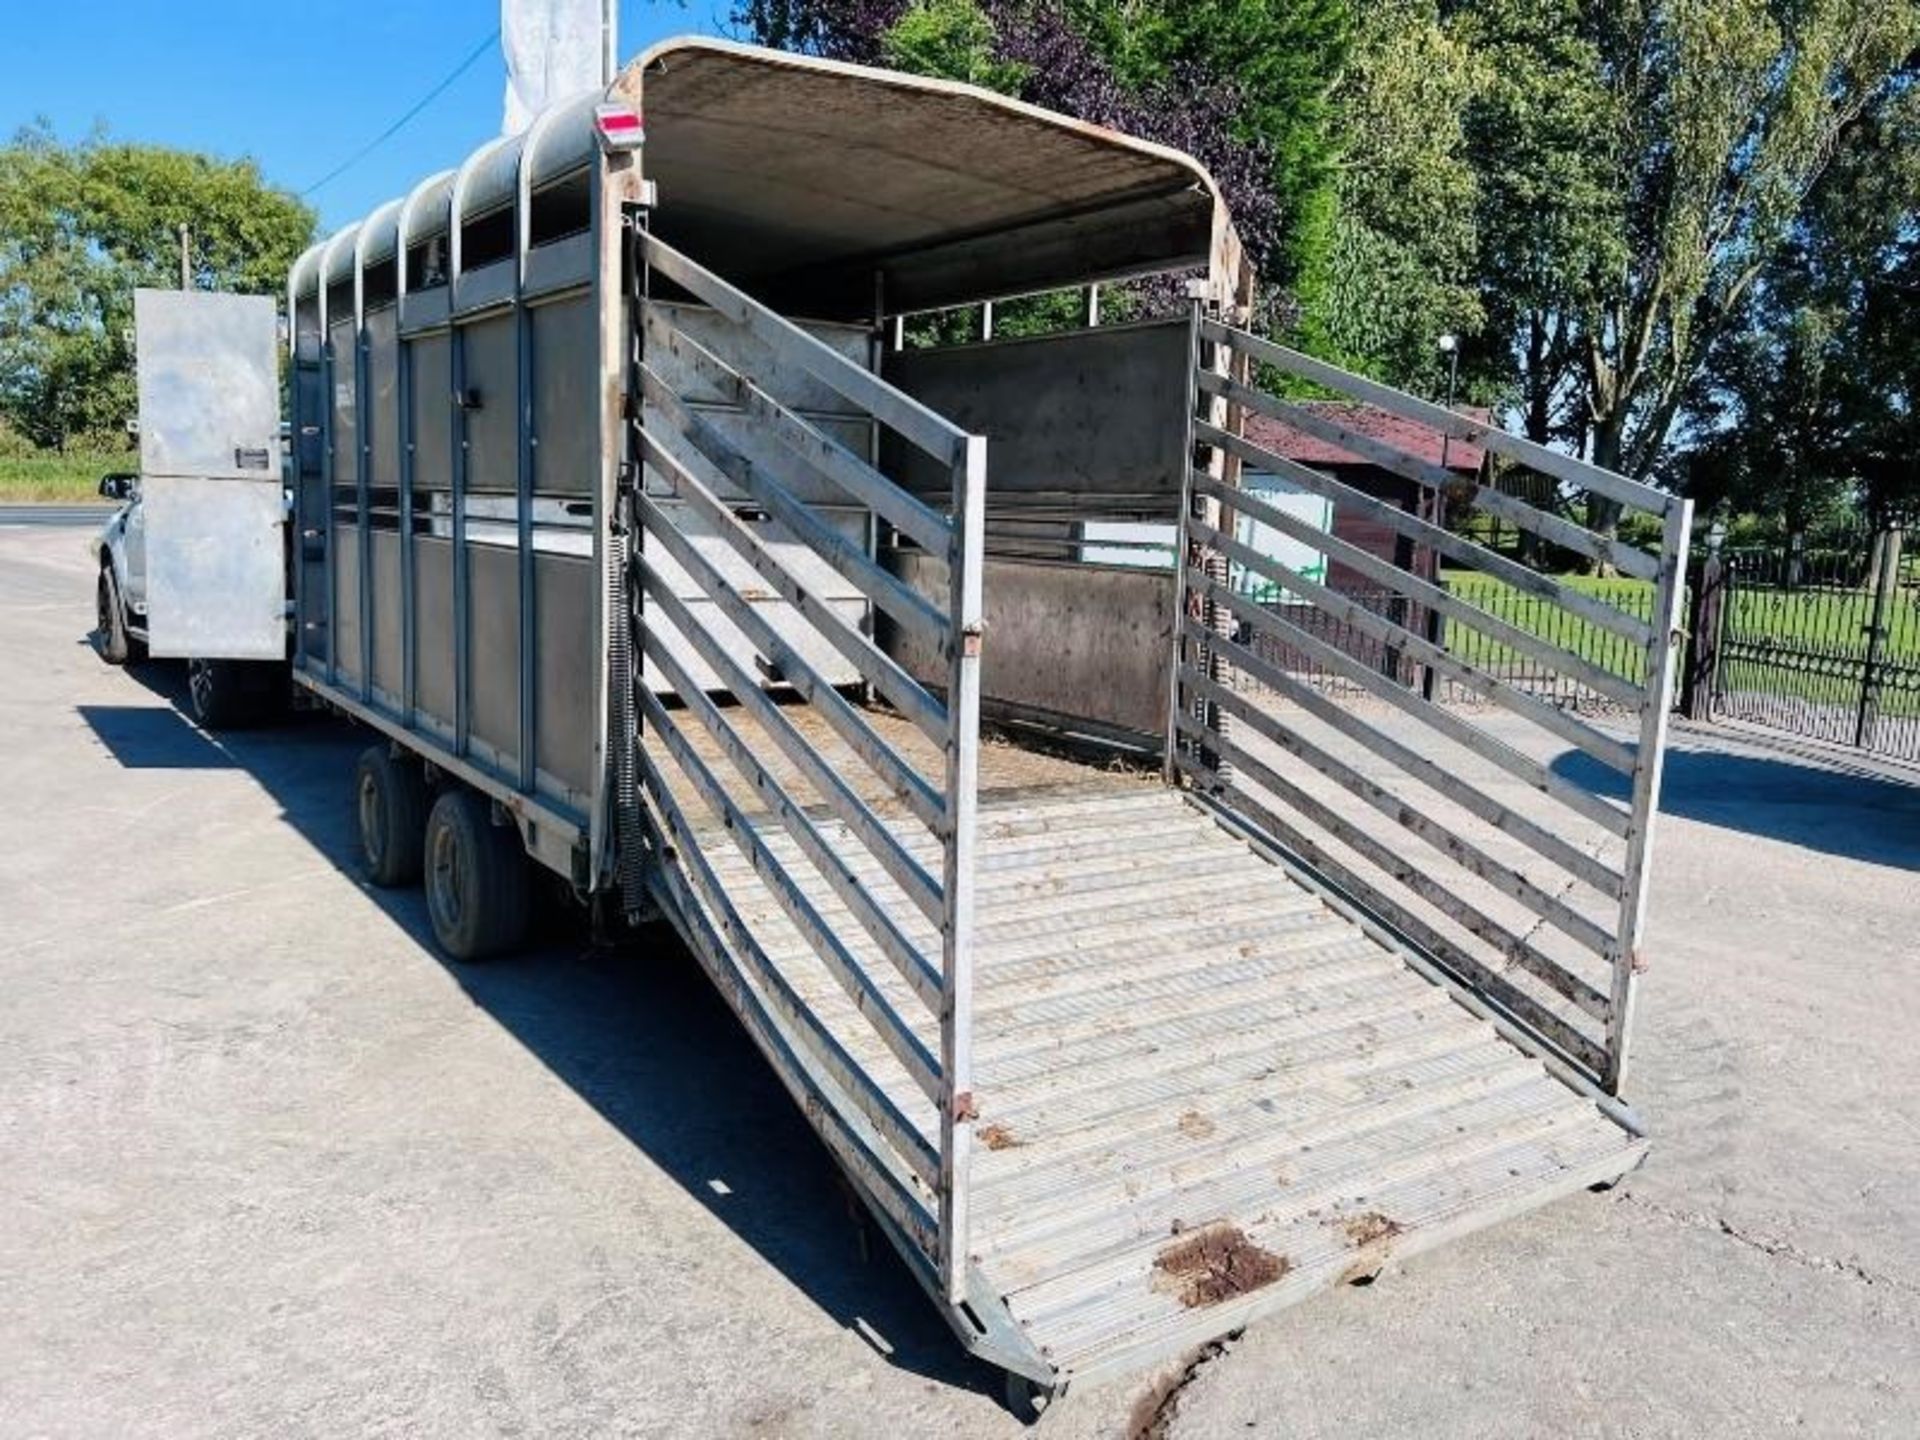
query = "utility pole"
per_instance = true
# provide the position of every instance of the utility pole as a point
(609, 40)
(186, 257)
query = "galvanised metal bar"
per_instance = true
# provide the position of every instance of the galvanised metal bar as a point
(1182, 539)
(1425, 532)
(1409, 926)
(821, 454)
(1435, 417)
(328, 530)
(1522, 767)
(1601, 747)
(926, 803)
(1628, 559)
(364, 421)
(841, 963)
(901, 1203)
(899, 412)
(900, 601)
(523, 517)
(1555, 657)
(1463, 853)
(1577, 862)
(967, 604)
(462, 571)
(876, 667)
(409, 619)
(1655, 712)
(900, 950)
(899, 864)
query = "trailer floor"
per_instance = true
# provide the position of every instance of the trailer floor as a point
(1202, 1093)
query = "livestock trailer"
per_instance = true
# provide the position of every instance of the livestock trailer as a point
(638, 512)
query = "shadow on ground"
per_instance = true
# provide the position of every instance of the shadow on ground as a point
(1821, 802)
(637, 1032)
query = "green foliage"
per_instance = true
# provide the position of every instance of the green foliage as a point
(952, 39)
(1397, 271)
(29, 476)
(1807, 404)
(1281, 57)
(80, 227)
(1727, 113)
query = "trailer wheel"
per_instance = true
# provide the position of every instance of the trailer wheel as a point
(117, 645)
(235, 694)
(390, 815)
(478, 886)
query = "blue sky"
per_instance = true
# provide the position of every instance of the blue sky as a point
(299, 85)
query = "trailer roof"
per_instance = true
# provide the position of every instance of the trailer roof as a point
(801, 177)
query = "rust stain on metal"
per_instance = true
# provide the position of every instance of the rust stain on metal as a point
(1195, 1126)
(963, 1108)
(1215, 1263)
(999, 1137)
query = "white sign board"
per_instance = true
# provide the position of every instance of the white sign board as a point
(1297, 555)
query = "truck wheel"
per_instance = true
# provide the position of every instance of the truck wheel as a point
(234, 694)
(117, 645)
(390, 814)
(478, 888)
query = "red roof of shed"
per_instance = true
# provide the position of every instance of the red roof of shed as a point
(1407, 436)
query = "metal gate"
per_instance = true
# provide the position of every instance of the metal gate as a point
(1503, 833)
(1821, 641)
(705, 547)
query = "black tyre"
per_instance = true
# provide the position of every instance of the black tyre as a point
(117, 645)
(390, 816)
(479, 890)
(236, 694)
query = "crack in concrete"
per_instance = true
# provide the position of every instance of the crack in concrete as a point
(1776, 1248)
(1153, 1411)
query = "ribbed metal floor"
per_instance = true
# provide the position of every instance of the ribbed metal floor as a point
(1202, 1093)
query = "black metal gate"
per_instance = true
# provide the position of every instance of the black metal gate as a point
(1822, 641)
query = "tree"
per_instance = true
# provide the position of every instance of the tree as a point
(1548, 219)
(1806, 405)
(1399, 270)
(1726, 114)
(80, 227)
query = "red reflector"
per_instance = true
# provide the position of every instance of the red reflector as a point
(619, 127)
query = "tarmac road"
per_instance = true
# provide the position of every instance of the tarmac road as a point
(268, 1166)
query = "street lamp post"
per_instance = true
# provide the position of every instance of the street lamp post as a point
(1449, 347)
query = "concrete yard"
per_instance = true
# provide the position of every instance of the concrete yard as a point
(268, 1166)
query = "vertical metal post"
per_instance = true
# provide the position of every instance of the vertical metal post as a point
(1886, 573)
(523, 537)
(409, 665)
(1655, 706)
(1703, 631)
(986, 321)
(363, 482)
(966, 606)
(1169, 770)
(327, 517)
(186, 256)
(462, 658)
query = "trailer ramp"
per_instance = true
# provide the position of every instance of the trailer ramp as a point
(1113, 1068)
(1201, 1092)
